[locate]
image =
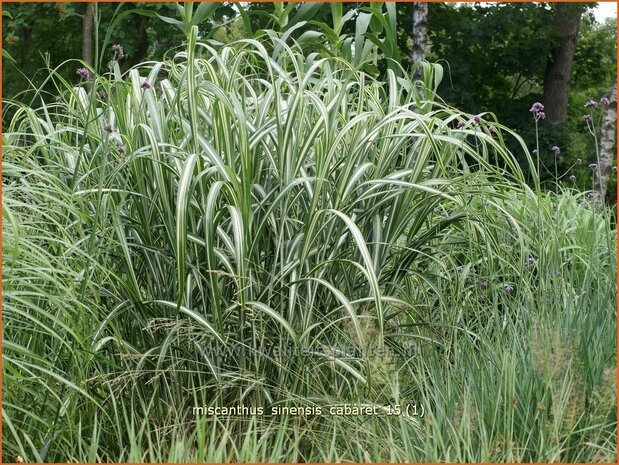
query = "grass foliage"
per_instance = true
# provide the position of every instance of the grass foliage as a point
(248, 196)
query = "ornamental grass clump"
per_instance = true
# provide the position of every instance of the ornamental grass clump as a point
(233, 200)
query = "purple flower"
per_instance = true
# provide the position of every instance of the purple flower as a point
(83, 73)
(461, 124)
(538, 111)
(477, 118)
(591, 104)
(121, 149)
(102, 94)
(459, 269)
(58, 99)
(530, 262)
(593, 166)
(481, 283)
(119, 51)
(508, 288)
(556, 149)
(587, 118)
(604, 101)
(573, 178)
(145, 84)
(108, 128)
(492, 129)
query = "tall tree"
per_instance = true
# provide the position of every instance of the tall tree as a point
(420, 33)
(559, 66)
(141, 43)
(87, 26)
(607, 142)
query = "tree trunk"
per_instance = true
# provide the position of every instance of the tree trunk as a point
(87, 23)
(559, 67)
(420, 34)
(141, 45)
(608, 135)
